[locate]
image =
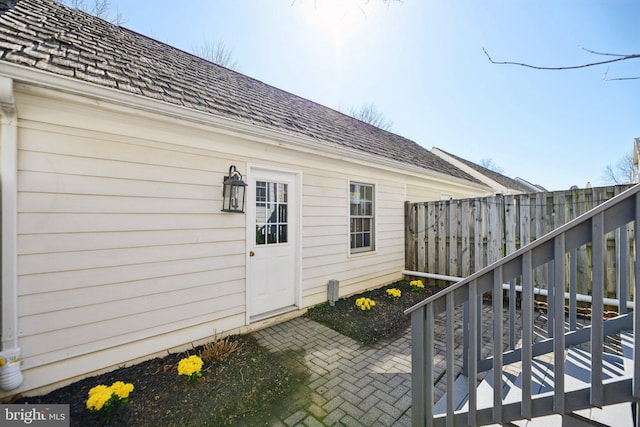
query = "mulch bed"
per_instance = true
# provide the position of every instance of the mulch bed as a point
(384, 321)
(245, 384)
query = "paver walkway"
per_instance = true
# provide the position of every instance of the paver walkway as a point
(351, 384)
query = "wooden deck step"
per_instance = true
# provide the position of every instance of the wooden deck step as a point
(577, 376)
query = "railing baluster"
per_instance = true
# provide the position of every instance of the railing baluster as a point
(473, 352)
(623, 271)
(512, 314)
(558, 342)
(573, 289)
(527, 334)
(450, 313)
(419, 406)
(497, 301)
(597, 292)
(429, 354)
(551, 301)
(465, 339)
(636, 306)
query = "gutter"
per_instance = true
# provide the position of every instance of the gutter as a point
(10, 374)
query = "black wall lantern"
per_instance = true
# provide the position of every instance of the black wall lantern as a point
(233, 190)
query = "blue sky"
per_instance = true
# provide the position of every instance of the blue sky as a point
(421, 63)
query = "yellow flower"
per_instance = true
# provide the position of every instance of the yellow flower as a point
(121, 389)
(98, 398)
(190, 366)
(98, 389)
(394, 293)
(365, 303)
(416, 285)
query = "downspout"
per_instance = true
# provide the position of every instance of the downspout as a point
(10, 374)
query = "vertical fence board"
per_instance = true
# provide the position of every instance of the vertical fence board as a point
(495, 231)
(442, 236)
(409, 236)
(431, 238)
(459, 237)
(510, 225)
(421, 213)
(454, 251)
(581, 276)
(465, 238)
(478, 236)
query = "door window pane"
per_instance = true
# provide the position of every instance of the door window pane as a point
(271, 213)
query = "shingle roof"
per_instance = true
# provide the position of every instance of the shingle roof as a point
(497, 177)
(47, 35)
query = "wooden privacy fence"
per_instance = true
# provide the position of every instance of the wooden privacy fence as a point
(459, 237)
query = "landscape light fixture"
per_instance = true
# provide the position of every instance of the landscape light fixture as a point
(233, 191)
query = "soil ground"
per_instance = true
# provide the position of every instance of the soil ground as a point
(385, 320)
(241, 389)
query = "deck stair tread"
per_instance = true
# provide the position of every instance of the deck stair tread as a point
(577, 376)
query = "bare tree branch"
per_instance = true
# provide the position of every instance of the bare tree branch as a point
(369, 113)
(488, 163)
(602, 53)
(621, 173)
(606, 77)
(216, 52)
(99, 8)
(569, 67)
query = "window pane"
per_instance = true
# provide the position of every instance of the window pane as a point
(272, 233)
(282, 213)
(261, 193)
(282, 193)
(367, 193)
(260, 237)
(283, 233)
(271, 213)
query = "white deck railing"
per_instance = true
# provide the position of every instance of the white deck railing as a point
(554, 250)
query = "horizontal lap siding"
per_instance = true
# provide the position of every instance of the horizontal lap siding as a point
(326, 235)
(119, 242)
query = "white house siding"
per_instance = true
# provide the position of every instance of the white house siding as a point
(121, 243)
(123, 252)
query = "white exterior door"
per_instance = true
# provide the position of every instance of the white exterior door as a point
(272, 262)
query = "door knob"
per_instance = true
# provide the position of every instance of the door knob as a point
(251, 253)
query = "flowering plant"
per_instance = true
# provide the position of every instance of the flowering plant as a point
(105, 399)
(190, 367)
(394, 293)
(416, 285)
(365, 303)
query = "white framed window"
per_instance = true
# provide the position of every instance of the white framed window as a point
(361, 217)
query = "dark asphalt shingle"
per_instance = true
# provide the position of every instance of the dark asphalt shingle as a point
(49, 36)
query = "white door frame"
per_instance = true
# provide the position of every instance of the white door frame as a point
(295, 211)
